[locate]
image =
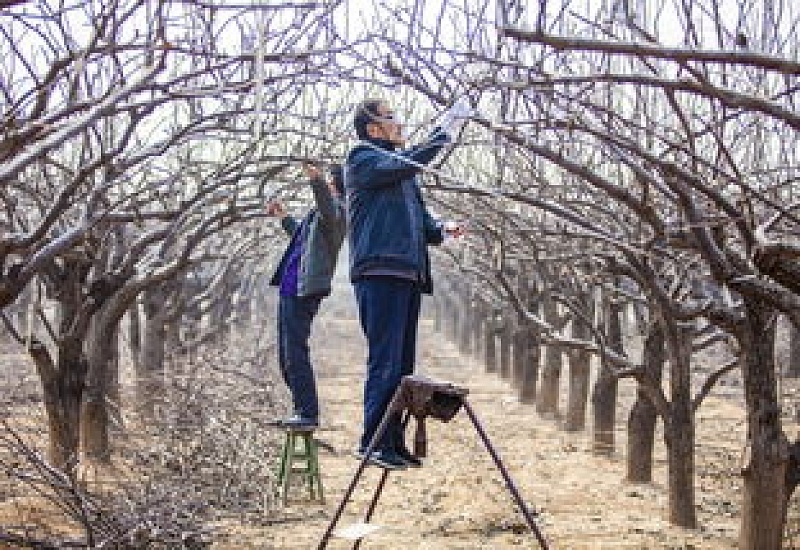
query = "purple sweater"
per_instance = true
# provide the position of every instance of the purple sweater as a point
(291, 271)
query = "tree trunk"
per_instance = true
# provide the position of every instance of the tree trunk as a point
(12, 312)
(94, 413)
(113, 391)
(792, 476)
(465, 329)
(766, 454)
(529, 365)
(150, 378)
(793, 369)
(490, 347)
(604, 395)
(244, 301)
(506, 339)
(519, 355)
(437, 312)
(20, 308)
(452, 319)
(547, 397)
(455, 315)
(135, 336)
(172, 335)
(62, 389)
(643, 415)
(579, 371)
(63, 379)
(220, 313)
(679, 439)
(102, 396)
(679, 432)
(100, 346)
(478, 321)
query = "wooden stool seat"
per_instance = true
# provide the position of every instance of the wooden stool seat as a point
(300, 459)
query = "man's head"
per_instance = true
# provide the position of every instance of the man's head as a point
(374, 119)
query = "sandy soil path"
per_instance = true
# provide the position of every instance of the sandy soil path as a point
(458, 500)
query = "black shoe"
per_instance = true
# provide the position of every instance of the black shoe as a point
(298, 422)
(387, 459)
(406, 456)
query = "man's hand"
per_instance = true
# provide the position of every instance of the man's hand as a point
(454, 229)
(312, 171)
(455, 117)
(275, 209)
(462, 109)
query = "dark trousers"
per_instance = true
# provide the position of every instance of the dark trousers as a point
(295, 315)
(389, 311)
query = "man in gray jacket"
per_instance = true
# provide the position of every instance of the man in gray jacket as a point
(304, 278)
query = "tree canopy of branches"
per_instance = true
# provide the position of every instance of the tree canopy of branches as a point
(642, 151)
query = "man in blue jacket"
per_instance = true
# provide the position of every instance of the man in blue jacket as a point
(304, 278)
(389, 230)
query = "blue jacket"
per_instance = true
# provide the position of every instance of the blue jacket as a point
(388, 226)
(322, 238)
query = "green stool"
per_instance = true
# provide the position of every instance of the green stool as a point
(300, 457)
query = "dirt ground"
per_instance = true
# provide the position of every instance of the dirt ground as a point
(458, 500)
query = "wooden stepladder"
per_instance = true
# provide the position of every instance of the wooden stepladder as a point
(421, 397)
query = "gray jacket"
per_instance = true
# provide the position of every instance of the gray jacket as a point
(322, 238)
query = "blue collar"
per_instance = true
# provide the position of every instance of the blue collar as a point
(384, 144)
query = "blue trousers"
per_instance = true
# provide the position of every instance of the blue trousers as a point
(389, 311)
(295, 315)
